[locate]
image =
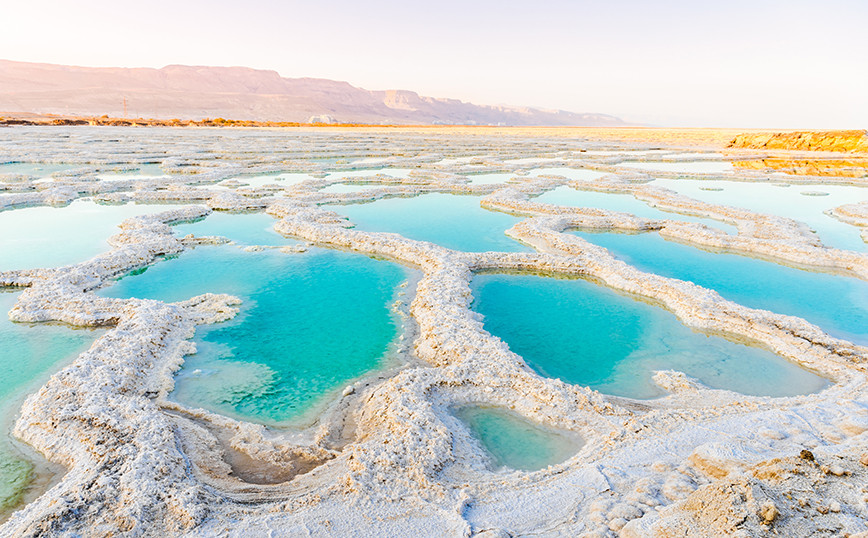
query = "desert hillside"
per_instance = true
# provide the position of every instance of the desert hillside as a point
(241, 93)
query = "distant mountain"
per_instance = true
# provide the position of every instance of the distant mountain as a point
(241, 93)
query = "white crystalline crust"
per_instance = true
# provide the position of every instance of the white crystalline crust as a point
(389, 459)
(855, 214)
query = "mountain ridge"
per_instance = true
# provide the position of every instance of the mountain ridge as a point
(244, 93)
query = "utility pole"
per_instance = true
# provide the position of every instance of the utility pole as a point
(125, 108)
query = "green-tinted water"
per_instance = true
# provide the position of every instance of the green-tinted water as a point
(590, 335)
(513, 441)
(29, 354)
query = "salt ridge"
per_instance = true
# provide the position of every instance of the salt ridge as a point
(143, 465)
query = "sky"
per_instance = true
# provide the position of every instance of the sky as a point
(766, 64)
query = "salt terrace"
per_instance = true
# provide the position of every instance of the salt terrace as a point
(387, 451)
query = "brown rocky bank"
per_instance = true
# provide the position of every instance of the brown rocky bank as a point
(855, 141)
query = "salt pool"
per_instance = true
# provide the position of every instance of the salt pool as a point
(514, 442)
(626, 203)
(56, 236)
(783, 200)
(247, 229)
(590, 335)
(751, 282)
(35, 169)
(29, 354)
(452, 221)
(310, 323)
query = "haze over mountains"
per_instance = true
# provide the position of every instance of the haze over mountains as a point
(241, 93)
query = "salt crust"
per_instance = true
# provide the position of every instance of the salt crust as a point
(389, 458)
(855, 214)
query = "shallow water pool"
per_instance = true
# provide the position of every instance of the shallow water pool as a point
(247, 229)
(625, 203)
(310, 323)
(29, 354)
(785, 201)
(590, 335)
(514, 442)
(55, 236)
(838, 304)
(35, 169)
(452, 221)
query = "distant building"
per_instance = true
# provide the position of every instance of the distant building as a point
(322, 118)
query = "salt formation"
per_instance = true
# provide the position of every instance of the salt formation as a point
(387, 457)
(855, 214)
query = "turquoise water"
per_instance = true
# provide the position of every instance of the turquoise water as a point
(310, 324)
(785, 201)
(515, 442)
(626, 203)
(55, 236)
(839, 305)
(590, 335)
(244, 229)
(29, 354)
(456, 222)
(697, 167)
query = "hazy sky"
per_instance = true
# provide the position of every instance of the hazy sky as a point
(693, 63)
